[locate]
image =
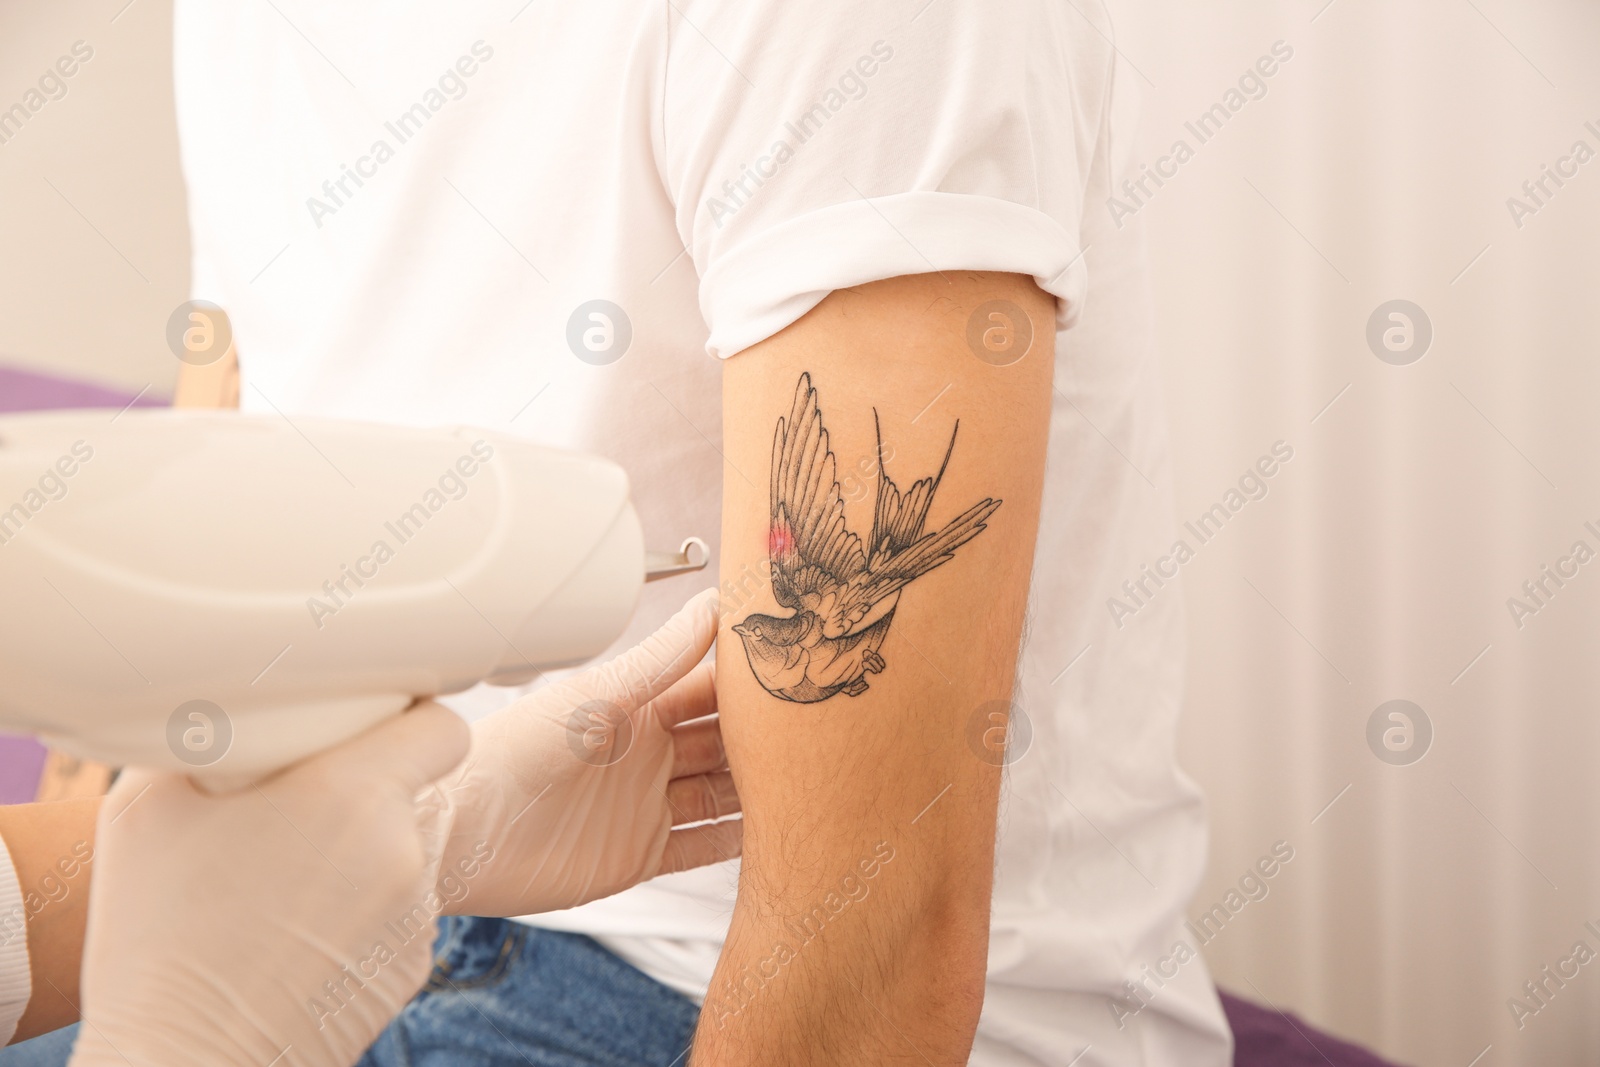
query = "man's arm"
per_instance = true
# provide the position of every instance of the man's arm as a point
(868, 644)
(51, 847)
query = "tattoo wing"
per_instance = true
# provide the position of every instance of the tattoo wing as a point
(813, 554)
(900, 552)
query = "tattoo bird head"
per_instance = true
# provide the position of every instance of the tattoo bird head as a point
(760, 631)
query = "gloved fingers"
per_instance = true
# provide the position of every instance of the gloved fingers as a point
(697, 748)
(697, 846)
(701, 797)
(654, 665)
(694, 697)
(413, 749)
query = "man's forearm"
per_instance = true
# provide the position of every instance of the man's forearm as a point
(885, 967)
(52, 849)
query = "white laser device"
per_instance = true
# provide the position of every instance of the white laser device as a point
(226, 594)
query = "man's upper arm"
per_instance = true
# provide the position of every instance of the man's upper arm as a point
(881, 498)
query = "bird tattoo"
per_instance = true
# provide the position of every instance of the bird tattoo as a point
(841, 594)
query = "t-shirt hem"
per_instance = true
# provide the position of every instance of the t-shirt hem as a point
(763, 284)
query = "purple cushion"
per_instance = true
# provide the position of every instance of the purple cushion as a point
(1264, 1037)
(21, 760)
(22, 390)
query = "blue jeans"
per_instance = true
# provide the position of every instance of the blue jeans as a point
(502, 993)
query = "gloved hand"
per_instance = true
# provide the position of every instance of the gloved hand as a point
(572, 792)
(285, 923)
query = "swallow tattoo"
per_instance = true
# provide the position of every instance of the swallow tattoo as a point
(841, 595)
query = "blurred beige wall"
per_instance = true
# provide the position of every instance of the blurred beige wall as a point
(1376, 166)
(95, 240)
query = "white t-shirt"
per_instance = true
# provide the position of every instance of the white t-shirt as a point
(409, 211)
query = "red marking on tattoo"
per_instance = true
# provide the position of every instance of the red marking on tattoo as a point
(780, 542)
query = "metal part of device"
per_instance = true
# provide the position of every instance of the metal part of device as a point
(693, 556)
(226, 594)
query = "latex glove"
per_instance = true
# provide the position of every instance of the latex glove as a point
(572, 792)
(285, 923)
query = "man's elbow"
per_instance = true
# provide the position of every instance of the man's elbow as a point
(945, 950)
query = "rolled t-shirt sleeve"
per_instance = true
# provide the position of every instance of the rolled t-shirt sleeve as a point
(811, 147)
(15, 983)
